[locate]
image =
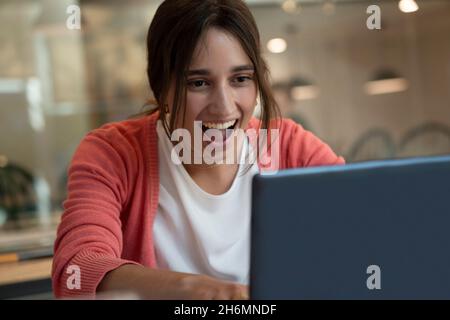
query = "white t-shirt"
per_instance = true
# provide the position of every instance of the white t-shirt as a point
(197, 232)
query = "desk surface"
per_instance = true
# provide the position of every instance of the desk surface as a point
(25, 271)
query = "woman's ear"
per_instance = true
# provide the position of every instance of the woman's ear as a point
(257, 109)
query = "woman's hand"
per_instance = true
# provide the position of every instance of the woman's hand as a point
(148, 283)
(201, 287)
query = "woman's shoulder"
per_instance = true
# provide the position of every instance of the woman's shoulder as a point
(133, 128)
(302, 148)
(284, 127)
(299, 147)
(121, 141)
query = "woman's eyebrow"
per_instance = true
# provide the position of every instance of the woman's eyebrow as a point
(206, 72)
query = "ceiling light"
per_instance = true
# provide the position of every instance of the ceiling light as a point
(328, 7)
(277, 45)
(385, 82)
(291, 6)
(303, 90)
(408, 6)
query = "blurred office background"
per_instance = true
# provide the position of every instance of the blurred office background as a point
(370, 94)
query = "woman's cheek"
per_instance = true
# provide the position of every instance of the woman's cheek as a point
(195, 104)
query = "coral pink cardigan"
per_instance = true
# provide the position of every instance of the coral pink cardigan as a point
(113, 198)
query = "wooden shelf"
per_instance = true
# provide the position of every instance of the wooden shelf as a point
(23, 271)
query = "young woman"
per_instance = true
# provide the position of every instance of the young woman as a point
(135, 219)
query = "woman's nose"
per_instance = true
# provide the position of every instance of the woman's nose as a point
(223, 101)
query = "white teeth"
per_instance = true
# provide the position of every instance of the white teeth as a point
(225, 125)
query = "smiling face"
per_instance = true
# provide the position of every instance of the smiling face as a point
(221, 90)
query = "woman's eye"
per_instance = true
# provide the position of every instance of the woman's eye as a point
(242, 79)
(197, 83)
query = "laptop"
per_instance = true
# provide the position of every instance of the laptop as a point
(373, 230)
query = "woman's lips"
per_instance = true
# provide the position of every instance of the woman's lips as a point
(219, 125)
(216, 130)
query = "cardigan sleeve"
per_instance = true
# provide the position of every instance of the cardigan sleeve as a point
(303, 149)
(89, 237)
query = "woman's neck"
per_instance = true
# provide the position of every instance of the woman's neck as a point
(217, 179)
(214, 179)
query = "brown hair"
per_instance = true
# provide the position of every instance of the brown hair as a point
(173, 35)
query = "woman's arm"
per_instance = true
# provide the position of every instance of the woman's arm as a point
(149, 283)
(89, 240)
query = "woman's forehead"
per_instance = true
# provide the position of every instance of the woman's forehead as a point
(218, 48)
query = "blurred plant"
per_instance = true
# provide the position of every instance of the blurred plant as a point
(17, 193)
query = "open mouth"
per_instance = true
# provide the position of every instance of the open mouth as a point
(226, 130)
(230, 125)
